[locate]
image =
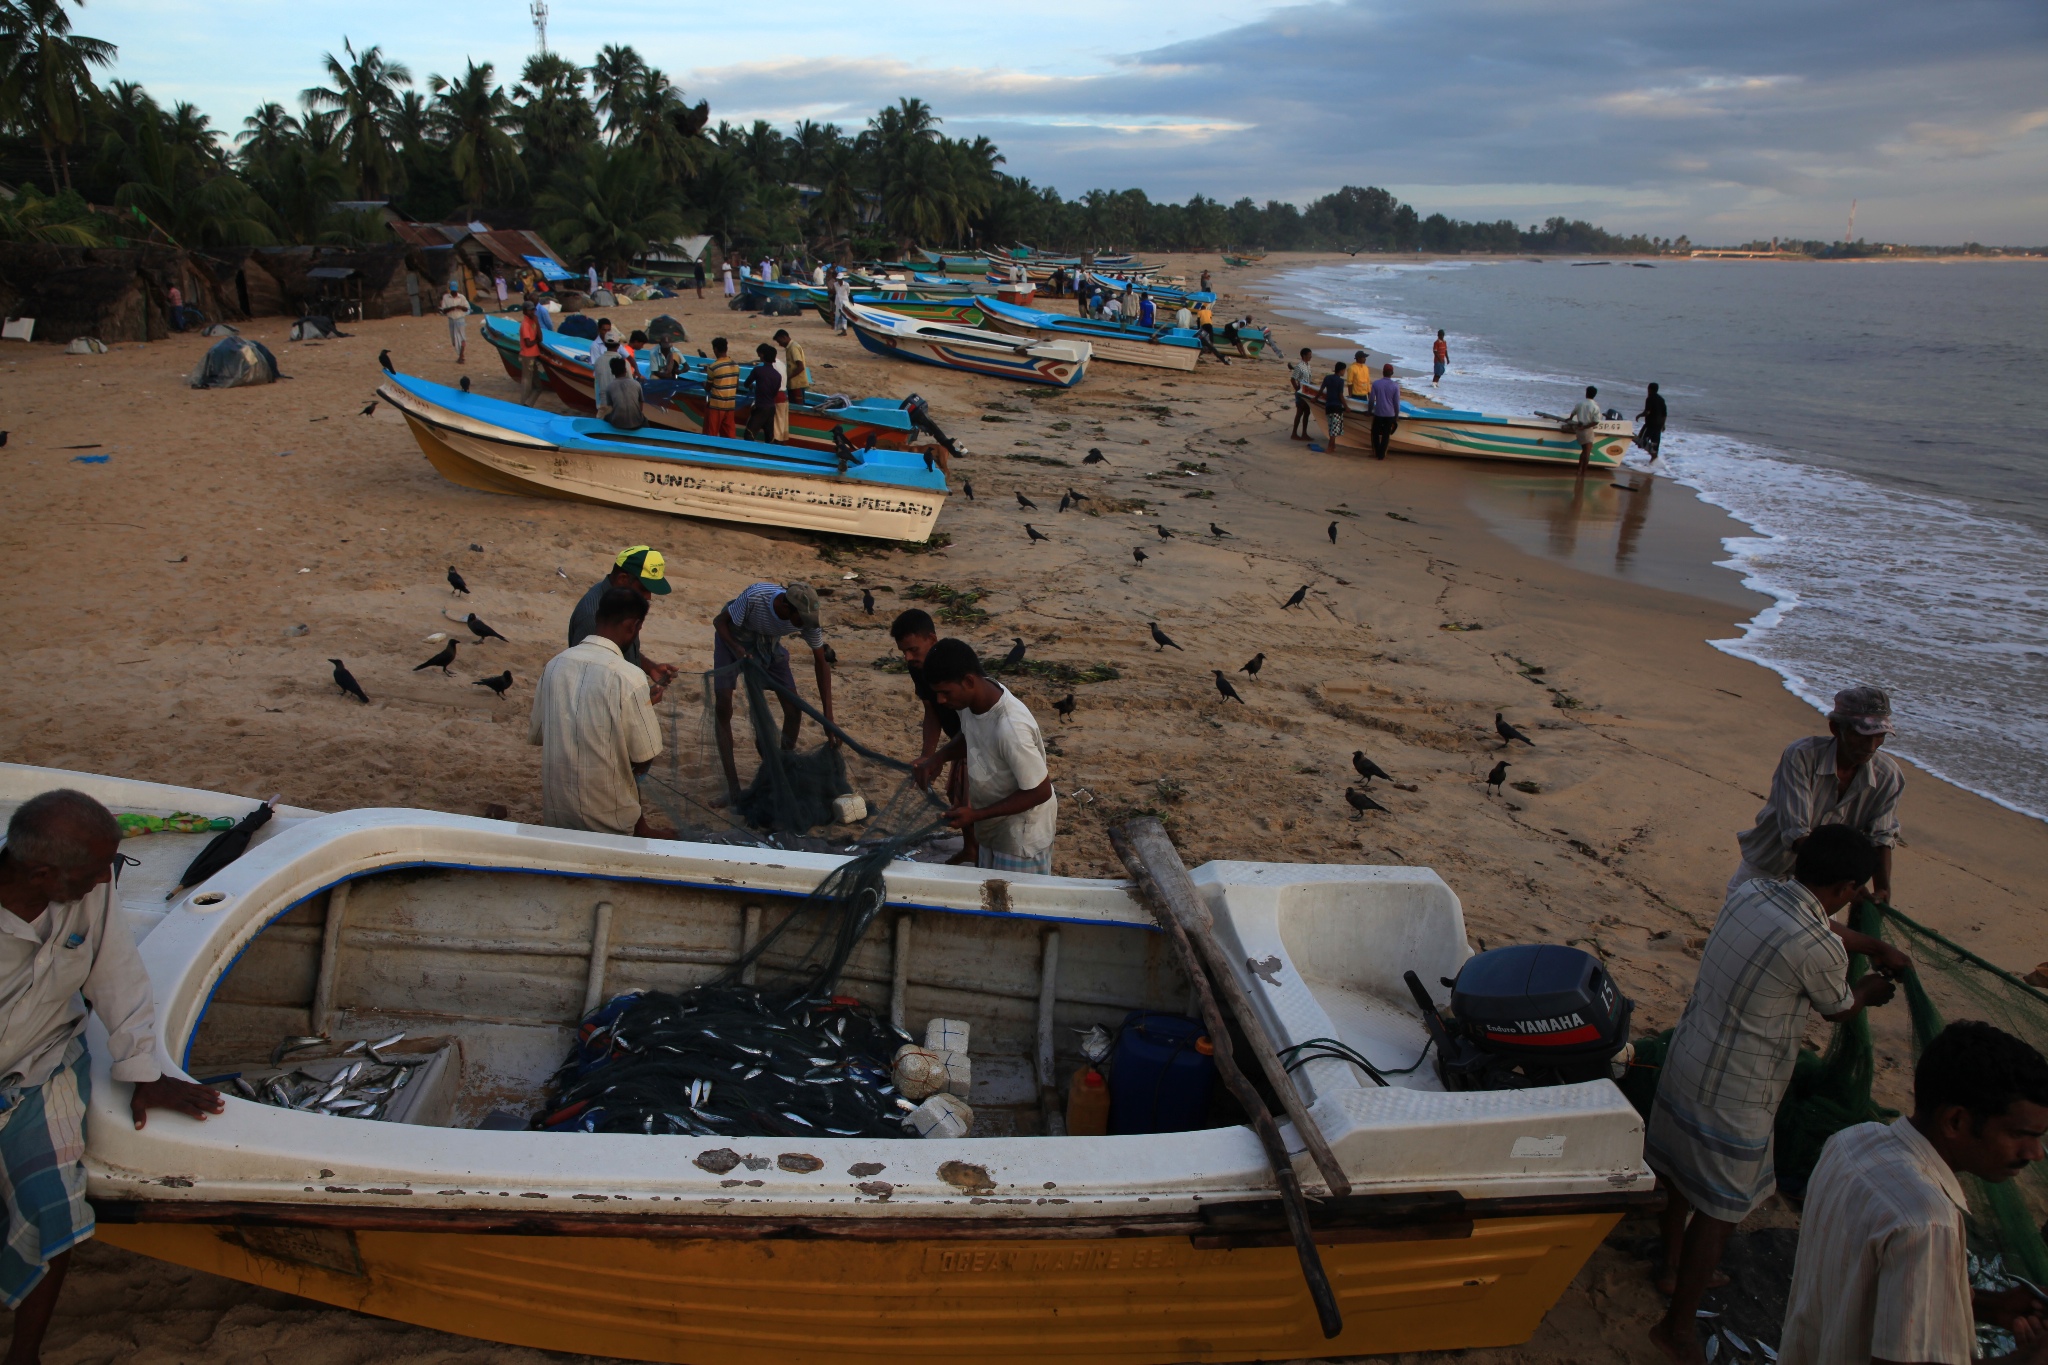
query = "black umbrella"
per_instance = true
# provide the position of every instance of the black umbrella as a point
(224, 848)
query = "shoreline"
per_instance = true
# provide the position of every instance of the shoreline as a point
(1652, 748)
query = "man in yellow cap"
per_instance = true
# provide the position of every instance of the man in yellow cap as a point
(645, 572)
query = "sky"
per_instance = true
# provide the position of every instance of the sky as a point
(1739, 119)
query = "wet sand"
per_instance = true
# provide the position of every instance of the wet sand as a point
(151, 606)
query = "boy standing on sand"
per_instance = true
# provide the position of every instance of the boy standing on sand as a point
(1010, 803)
(530, 378)
(1333, 402)
(1300, 378)
(1441, 354)
(721, 390)
(799, 366)
(915, 633)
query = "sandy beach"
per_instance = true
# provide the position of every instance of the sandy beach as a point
(179, 565)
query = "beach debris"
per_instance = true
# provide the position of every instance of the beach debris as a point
(561, 572)
(498, 684)
(1497, 776)
(1300, 594)
(436, 638)
(456, 582)
(298, 630)
(1368, 769)
(1162, 640)
(347, 682)
(1224, 689)
(1254, 664)
(90, 459)
(1360, 802)
(226, 846)
(440, 661)
(1034, 533)
(1508, 733)
(1026, 503)
(482, 631)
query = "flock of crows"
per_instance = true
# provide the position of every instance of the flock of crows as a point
(444, 660)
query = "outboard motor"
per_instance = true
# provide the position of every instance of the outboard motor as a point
(920, 414)
(1532, 1014)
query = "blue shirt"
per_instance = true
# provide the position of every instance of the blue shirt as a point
(1386, 397)
(1145, 311)
(1333, 392)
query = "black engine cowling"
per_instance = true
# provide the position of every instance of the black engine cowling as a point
(1527, 1015)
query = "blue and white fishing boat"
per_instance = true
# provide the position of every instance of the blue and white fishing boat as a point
(1060, 363)
(1166, 348)
(1430, 430)
(1161, 293)
(500, 447)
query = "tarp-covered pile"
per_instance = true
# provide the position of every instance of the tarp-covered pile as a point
(233, 362)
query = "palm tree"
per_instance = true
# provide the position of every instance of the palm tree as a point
(56, 220)
(809, 146)
(659, 123)
(365, 91)
(473, 115)
(837, 208)
(760, 147)
(172, 174)
(46, 77)
(611, 208)
(615, 79)
(555, 120)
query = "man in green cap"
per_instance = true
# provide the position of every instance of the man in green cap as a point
(755, 622)
(645, 572)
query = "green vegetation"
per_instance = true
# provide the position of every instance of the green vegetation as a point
(955, 606)
(1067, 675)
(1041, 459)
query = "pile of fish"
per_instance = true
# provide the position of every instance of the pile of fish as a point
(724, 1060)
(360, 1089)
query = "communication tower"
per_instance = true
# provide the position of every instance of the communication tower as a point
(539, 10)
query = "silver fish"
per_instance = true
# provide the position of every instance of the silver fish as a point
(1713, 1349)
(798, 1118)
(333, 1093)
(299, 1044)
(357, 1046)
(275, 1091)
(393, 1041)
(1769, 1354)
(751, 1074)
(243, 1088)
(350, 1073)
(377, 1092)
(1737, 1342)
(1705, 1313)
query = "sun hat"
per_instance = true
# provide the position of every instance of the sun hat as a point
(1865, 709)
(646, 565)
(803, 600)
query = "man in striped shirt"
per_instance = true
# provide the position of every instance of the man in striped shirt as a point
(753, 625)
(721, 392)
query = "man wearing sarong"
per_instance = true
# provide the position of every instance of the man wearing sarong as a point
(1774, 954)
(754, 624)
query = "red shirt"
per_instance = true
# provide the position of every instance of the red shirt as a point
(529, 337)
(1441, 350)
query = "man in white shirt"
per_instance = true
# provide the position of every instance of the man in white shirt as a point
(1882, 1273)
(1182, 318)
(1839, 780)
(1010, 802)
(1585, 417)
(596, 726)
(64, 941)
(600, 372)
(1300, 380)
(456, 309)
(725, 274)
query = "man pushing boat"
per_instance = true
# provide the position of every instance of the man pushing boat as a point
(754, 623)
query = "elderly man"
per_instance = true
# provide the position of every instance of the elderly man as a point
(639, 570)
(754, 624)
(1883, 1267)
(1775, 953)
(63, 943)
(1839, 780)
(595, 724)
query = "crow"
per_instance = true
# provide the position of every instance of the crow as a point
(441, 660)
(1299, 594)
(867, 601)
(1361, 803)
(1065, 502)
(455, 582)
(1497, 776)
(1034, 532)
(3, 437)
(370, 409)
(463, 383)
(967, 487)
(1508, 733)
(1254, 664)
(1078, 498)
(1065, 706)
(346, 681)
(1026, 503)
(1139, 556)
(1094, 456)
(1216, 530)
(831, 657)
(1164, 534)
(384, 359)
(1368, 769)
(1224, 689)
(1016, 654)
(1163, 640)
(497, 684)
(1333, 533)
(482, 631)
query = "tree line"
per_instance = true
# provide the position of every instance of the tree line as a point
(606, 160)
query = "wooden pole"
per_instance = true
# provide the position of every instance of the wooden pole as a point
(1126, 839)
(1165, 879)
(330, 957)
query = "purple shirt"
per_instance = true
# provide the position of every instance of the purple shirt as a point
(1386, 397)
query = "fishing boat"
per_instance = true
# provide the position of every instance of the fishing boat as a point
(962, 309)
(1161, 293)
(1166, 348)
(1061, 363)
(498, 447)
(1536, 439)
(485, 942)
(1229, 259)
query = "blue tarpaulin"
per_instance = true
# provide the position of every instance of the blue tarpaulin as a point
(549, 270)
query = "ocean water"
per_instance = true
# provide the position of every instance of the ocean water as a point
(1882, 429)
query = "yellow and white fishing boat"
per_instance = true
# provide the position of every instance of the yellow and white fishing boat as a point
(487, 940)
(1429, 430)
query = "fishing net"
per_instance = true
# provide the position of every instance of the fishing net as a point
(788, 1057)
